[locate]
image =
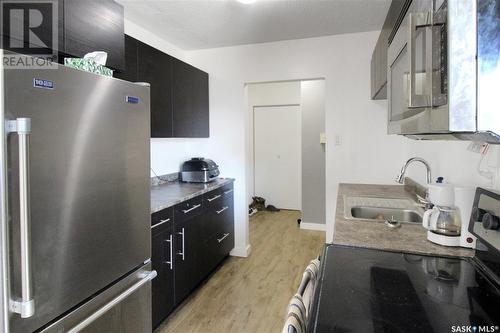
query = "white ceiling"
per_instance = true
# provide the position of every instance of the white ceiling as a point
(205, 24)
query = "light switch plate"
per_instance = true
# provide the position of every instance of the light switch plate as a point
(322, 137)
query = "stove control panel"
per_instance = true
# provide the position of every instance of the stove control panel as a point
(485, 217)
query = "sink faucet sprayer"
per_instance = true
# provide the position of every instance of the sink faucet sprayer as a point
(400, 178)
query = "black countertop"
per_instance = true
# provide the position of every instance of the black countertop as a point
(368, 290)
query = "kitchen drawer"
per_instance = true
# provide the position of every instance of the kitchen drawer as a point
(217, 216)
(213, 198)
(227, 190)
(218, 247)
(164, 216)
(187, 209)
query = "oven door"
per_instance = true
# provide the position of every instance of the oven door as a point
(416, 73)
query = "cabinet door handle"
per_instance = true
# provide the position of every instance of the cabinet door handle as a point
(185, 211)
(223, 209)
(228, 191)
(182, 253)
(171, 261)
(216, 197)
(222, 238)
(160, 223)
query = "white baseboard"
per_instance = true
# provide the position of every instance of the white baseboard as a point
(241, 251)
(313, 226)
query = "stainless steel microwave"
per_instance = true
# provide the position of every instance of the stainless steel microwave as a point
(444, 71)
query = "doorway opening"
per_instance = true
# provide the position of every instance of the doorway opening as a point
(287, 147)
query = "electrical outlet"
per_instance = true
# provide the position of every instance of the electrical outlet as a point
(474, 147)
(338, 140)
(478, 147)
(484, 148)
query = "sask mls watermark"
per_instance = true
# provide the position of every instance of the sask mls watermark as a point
(29, 31)
(474, 329)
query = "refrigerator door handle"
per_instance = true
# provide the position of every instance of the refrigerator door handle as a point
(26, 306)
(145, 278)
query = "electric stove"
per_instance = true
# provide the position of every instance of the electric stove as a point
(368, 290)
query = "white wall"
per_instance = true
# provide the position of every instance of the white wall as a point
(344, 62)
(367, 153)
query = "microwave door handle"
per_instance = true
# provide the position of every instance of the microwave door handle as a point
(416, 20)
(437, 67)
(26, 305)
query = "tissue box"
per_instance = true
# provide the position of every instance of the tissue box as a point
(88, 65)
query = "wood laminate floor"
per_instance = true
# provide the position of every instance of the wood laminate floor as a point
(251, 294)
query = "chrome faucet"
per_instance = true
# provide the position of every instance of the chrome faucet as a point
(401, 177)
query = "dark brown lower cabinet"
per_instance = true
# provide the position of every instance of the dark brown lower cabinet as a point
(187, 272)
(162, 287)
(198, 239)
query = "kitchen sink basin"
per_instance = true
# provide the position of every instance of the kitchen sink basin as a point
(383, 214)
(382, 209)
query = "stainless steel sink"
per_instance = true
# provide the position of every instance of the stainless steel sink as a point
(382, 209)
(383, 214)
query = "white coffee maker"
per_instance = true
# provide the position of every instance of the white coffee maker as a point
(447, 222)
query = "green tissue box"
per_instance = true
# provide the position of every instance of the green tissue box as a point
(88, 65)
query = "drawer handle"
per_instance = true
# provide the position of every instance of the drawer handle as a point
(212, 199)
(160, 223)
(228, 191)
(222, 238)
(171, 261)
(185, 211)
(223, 209)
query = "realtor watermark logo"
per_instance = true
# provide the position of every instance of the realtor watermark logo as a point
(29, 31)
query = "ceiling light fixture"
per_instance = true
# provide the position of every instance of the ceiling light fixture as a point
(246, 2)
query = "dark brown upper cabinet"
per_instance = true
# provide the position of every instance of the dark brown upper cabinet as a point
(129, 72)
(155, 67)
(94, 25)
(83, 26)
(190, 101)
(179, 91)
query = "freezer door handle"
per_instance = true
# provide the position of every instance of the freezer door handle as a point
(26, 306)
(145, 278)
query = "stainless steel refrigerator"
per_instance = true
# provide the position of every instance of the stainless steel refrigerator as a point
(75, 202)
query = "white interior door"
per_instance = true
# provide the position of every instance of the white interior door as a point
(277, 155)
